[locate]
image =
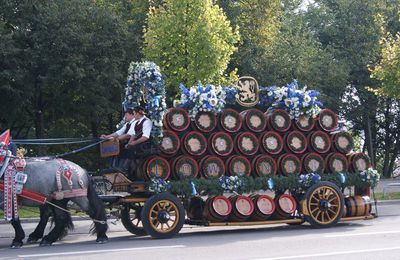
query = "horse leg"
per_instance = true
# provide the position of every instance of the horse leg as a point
(94, 207)
(19, 233)
(61, 222)
(45, 213)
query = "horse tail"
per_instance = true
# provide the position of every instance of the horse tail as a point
(97, 210)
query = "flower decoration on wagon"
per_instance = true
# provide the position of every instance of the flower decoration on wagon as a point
(207, 98)
(370, 176)
(158, 185)
(145, 84)
(230, 183)
(307, 180)
(298, 102)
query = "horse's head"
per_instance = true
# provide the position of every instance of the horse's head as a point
(4, 142)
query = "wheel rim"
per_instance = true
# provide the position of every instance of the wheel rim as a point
(164, 216)
(134, 215)
(324, 205)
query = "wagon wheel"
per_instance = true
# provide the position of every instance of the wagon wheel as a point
(163, 215)
(324, 204)
(131, 218)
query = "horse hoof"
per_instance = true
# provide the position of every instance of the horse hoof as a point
(45, 243)
(16, 245)
(32, 240)
(101, 240)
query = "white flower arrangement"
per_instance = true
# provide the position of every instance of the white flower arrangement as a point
(370, 176)
(198, 98)
(297, 102)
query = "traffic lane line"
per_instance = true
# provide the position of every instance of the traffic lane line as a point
(363, 234)
(101, 251)
(331, 253)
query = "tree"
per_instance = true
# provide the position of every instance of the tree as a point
(63, 71)
(387, 70)
(190, 40)
(350, 31)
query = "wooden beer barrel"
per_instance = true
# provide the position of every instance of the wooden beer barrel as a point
(289, 164)
(279, 120)
(177, 119)
(264, 207)
(156, 166)
(359, 162)
(185, 167)
(319, 142)
(358, 206)
(285, 206)
(303, 124)
(336, 162)
(327, 120)
(295, 142)
(271, 142)
(220, 143)
(342, 142)
(242, 208)
(238, 165)
(217, 208)
(205, 121)
(170, 143)
(194, 143)
(264, 165)
(246, 143)
(230, 120)
(212, 167)
(313, 162)
(254, 120)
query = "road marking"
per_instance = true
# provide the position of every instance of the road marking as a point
(102, 251)
(363, 234)
(331, 253)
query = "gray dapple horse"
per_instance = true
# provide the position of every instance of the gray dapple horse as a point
(42, 179)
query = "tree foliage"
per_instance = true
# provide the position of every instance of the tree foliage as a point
(190, 40)
(387, 70)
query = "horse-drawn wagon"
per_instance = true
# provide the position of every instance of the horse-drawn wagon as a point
(225, 157)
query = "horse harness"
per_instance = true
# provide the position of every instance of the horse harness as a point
(15, 177)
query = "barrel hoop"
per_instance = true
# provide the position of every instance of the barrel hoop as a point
(328, 120)
(247, 143)
(296, 142)
(170, 143)
(250, 203)
(217, 210)
(177, 119)
(320, 142)
(230, 120)
(195, 143)
(205, 121)
(272, 142)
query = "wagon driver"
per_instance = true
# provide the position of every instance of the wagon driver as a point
(141, 129)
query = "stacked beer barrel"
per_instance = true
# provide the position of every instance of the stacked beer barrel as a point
(251, 143)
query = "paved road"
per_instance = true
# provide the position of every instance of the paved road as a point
(374, 239)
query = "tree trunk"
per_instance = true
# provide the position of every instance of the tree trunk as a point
(388, 145)
(393, 159)
(368, 139)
